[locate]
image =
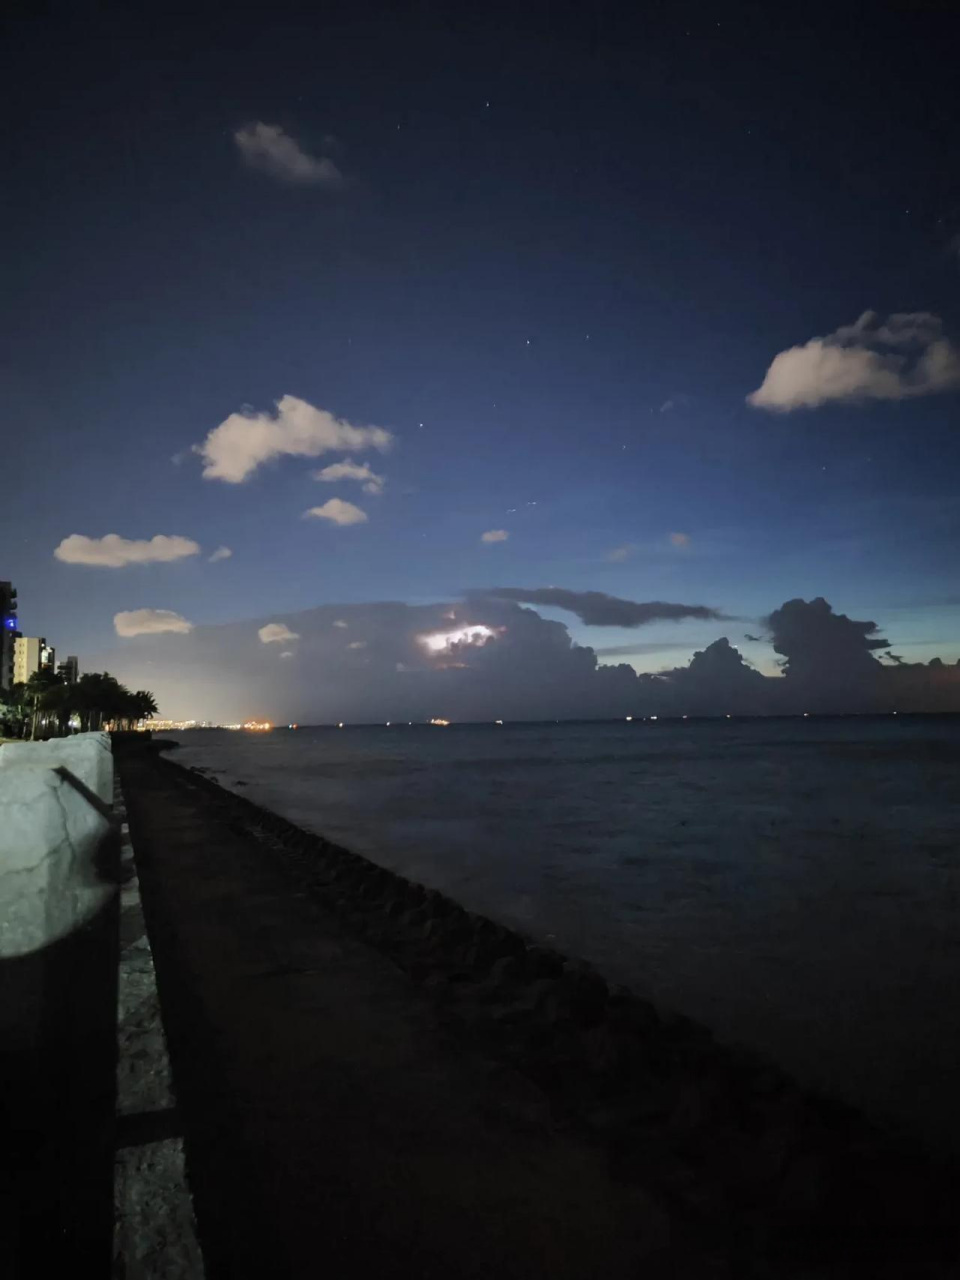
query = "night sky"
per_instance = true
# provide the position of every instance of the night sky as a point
(550, 250)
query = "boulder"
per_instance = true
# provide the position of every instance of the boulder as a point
(50, 836)
(87, 755)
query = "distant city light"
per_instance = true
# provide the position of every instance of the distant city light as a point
(653, 717)
(629, 718)
(340, 725)
(438, 720)
(442, 640)
(498, 722)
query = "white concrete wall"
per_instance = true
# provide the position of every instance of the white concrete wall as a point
(49, 836)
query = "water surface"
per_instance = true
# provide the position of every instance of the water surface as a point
(791, 883)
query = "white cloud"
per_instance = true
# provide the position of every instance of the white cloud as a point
(149, 622)
(619, 554)
(221, 553)
(906, 355)
(113, 552)
(276, 631)
(266, 147)
(287, 653)
(233, 450)
(357, 644)
(340, 623)
(680, 539)
(349, 470)
(494, 535)
(337, 512)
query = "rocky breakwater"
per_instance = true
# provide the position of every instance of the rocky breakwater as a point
(772, 1180)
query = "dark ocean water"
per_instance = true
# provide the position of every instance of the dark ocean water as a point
(794, 884)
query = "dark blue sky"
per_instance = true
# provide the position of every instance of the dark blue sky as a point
(550, 227)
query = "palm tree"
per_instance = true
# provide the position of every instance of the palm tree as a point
(98, 699)
(14, 711)
(145, 704)
(60, 700)
(38, 686)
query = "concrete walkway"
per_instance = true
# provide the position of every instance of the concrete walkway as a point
(330, 1129)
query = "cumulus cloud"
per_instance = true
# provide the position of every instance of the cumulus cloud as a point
(349, 470)
(872, 359)
(680, 539)
(114, 552)
(269, 149)
(339, 622)
(520, 666)
(221, 553)
(149, 622)
(357, 644)
(494, 535)
(275, 632)
(244, 441)
(597, 609)
(825, 653)
(337, 512)
(636, 648)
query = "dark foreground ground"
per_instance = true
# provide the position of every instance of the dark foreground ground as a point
(374, 1082)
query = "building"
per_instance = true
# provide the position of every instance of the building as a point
(8, 632)
(69, 668)
(31, 654)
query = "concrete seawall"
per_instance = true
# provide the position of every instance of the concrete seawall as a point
(627, 1141)
(58, 985)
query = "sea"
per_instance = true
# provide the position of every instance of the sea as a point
(794, 884)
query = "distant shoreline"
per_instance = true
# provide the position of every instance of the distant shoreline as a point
(879, 716)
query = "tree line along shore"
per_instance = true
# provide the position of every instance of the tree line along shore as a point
(49, 706)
